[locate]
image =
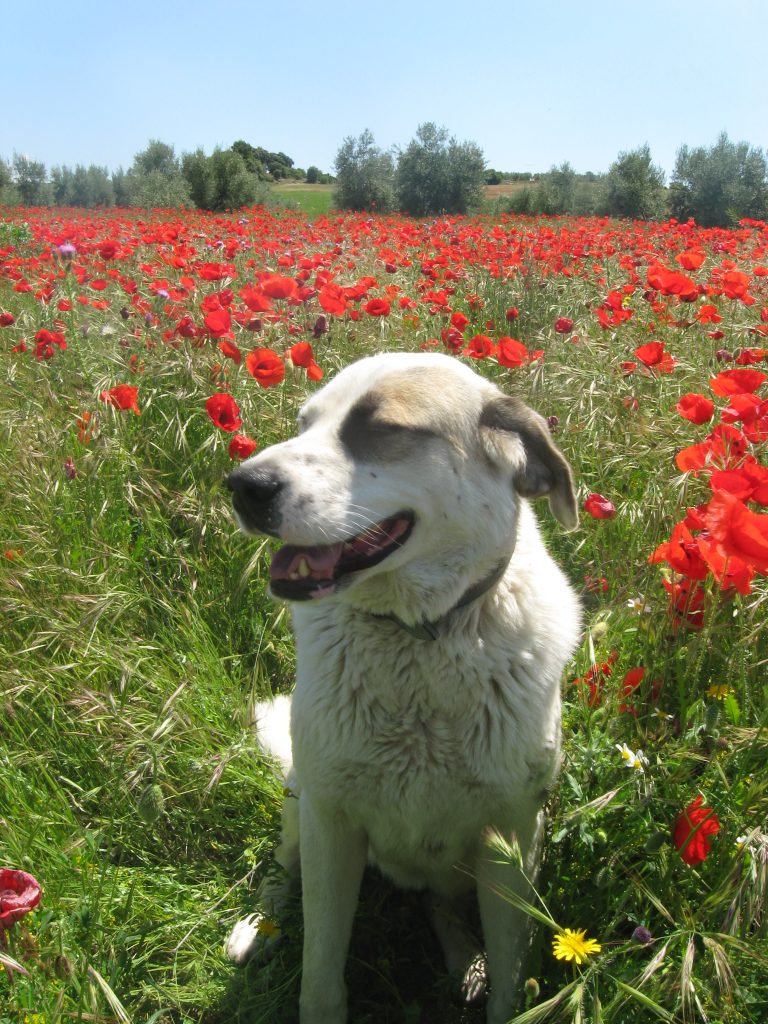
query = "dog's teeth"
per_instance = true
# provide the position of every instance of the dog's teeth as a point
(303, 570)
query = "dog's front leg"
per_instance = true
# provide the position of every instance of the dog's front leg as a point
(333, 856)
(505, 928)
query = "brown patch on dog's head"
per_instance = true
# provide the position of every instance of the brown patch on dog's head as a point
(404, 410)
(544, 470)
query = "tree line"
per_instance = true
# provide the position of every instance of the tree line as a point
(433, 174)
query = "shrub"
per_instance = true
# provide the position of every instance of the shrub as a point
(720, 185)
(436, 174)
(634, 186)
(364, 175)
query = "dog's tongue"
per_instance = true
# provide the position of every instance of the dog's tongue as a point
(305, 563)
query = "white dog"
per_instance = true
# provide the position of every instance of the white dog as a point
(432, 628)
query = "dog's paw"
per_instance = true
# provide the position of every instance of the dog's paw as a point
(255, 936)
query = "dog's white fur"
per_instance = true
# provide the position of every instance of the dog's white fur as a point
(408, 752)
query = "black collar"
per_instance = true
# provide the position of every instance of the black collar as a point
(431, 630)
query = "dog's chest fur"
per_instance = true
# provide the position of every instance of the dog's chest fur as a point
(424, 744)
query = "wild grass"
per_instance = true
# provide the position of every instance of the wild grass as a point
(136, 631)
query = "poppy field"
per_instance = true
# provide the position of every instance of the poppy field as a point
(143, 354)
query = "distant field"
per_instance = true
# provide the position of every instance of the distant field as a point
(312, 199)
(318, 199)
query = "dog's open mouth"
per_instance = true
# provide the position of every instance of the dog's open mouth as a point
(299, 574)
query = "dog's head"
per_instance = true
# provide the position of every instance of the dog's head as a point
(402, 487)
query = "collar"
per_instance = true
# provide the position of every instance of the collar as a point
(430, 630)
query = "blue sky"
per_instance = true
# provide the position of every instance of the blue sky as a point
(532, 82)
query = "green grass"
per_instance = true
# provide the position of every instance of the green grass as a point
(136, 632)
(314, 200)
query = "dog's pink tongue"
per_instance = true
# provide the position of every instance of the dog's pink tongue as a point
(303, 563)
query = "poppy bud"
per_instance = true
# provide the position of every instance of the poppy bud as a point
(151, 803)
(532, 989)
(655, 841)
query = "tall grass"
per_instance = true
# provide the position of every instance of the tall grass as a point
(136, 632)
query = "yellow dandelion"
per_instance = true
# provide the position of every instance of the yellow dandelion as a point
(570, 945)
(719, 691)
(268, 928)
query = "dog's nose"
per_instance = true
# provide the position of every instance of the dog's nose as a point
(254, 494)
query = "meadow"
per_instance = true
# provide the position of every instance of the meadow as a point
(142, 355)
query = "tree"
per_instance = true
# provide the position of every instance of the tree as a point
(31, 181)
(436, 174)
(221, 181)
(313, 173)
(155, 178)
(9, 194)
(634, 186)
(364, 175)
(85, 186)
(720, 185)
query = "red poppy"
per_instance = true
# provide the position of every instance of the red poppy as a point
(223, 411)
(265, 366)
(301, 354)
(6, 319)
(512, 352)
(218, 323)
(596, 678)
(696, 408)
(19, 893)
(563, 325)
(332, 300)
(123, 396)
(691, 259)
(231, 351)
(741, 532)
(734, 382)
(377, 307)
(692, 830)
(278, 287)
(480, 347)
(241, 447)
(255, 299)
(44, 342)
(599, 507)
(653, 355)
(459, 320)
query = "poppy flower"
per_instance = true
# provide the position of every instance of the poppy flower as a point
(223, 412)
(218, 323)
(741, 532)
(692, 830)
(255, 299)
(654, 357)
(511, 352)
(480, 347)
(241, 447)
(599, 507)
(696, 408)
(332, 300)
(563, 325)
(459, 320)
(276, 286)
(734, 382)
(6, 319)
(377, 307)
(301, 354)
(265, 366)
(19, 893)
(123, 396)
(231, 351)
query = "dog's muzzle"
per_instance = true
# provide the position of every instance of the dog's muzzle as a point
(256, 498)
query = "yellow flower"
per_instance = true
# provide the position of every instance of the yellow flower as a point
(719, 692)
(267, 928)
(570, 945)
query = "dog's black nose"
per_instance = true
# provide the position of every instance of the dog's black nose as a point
(254, 494)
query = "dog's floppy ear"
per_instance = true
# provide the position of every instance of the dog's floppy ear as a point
(543, 469)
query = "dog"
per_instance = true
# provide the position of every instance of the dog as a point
(432, 628)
